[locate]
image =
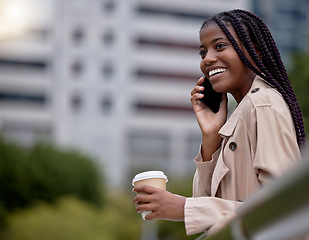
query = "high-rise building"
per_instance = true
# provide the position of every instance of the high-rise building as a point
(114, 80)
(25, 80)
(125, 70)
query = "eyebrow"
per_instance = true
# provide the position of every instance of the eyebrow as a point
(214, 40)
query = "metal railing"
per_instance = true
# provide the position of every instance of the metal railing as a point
(278, 211)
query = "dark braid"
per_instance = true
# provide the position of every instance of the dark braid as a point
(257, 39)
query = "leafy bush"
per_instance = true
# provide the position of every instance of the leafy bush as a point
(45, 173)
(54, 173)
(71, 219)
(299, 76)
(14, 177)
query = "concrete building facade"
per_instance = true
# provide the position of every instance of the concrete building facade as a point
(113, 79)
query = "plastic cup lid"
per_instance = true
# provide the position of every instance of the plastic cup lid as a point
(149, 174)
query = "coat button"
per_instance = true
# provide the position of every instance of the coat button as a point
(233, 146)
(255, 90)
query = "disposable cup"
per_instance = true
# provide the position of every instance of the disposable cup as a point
(152, 178)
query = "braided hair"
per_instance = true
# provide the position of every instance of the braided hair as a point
(258, 41)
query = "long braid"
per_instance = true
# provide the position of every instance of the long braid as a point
(280, 74)
(269, 61)
(251, 29)
(243, 36)
(260, 44)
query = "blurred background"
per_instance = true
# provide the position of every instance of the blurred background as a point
(93, 92)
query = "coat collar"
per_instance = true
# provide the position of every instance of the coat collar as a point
(228, 128)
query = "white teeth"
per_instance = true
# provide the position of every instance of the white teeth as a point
(215, 71)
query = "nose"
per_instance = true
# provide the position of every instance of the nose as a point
(210, 58)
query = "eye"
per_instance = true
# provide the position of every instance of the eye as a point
(203, 53)
(220, 46)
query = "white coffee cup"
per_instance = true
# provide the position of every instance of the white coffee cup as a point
(152, 178)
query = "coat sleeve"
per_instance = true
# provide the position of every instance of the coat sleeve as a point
(203, 213)
(203, 175)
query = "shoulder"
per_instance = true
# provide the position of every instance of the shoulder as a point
(264, 103)
(261, 95)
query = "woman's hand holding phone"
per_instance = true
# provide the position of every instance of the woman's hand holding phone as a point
(209, 122)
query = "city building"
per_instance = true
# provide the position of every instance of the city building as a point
(25, 80)
(124, 73)
(111, 78)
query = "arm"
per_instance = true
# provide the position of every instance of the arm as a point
(276, 150)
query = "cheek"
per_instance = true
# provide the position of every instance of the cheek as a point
(202, 67)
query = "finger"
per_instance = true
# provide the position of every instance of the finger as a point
(197, 89)
(196, 97)
(200, 81)
(145, 207)
(142, 199)
(146, 189)
(151, 216)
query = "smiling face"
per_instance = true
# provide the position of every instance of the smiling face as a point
(221, 64)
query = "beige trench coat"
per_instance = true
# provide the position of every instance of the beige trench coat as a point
(259, 143)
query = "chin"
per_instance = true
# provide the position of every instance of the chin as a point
(218, 89)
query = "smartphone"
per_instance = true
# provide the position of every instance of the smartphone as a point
(211, 98)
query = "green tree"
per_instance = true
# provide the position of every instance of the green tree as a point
(299, 76)
(14, 177)
(45, 173)
(55, 172)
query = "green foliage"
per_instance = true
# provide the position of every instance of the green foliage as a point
(299, 76)
(45, 173)
(54, 173)
(71, 219)
(14, 177)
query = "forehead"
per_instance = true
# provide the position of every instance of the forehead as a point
(213, 32)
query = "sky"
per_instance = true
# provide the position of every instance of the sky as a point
(17, 16)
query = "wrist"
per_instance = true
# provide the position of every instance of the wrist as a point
(210, 144)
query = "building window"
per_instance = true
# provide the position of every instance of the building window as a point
(164, 108)
(106, 104)
(19, 65)
(156, 11)
(144, 41)
(108, 38)
(170, 75)
(22, 98)
(109, 6)
(76, 102)
(150, 149)
(107, 71)
(78, 35)
(77, 68)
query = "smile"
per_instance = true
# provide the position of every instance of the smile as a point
(216, 71)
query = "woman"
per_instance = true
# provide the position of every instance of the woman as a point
(260, 141)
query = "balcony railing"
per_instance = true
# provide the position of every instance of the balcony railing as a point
(277, 212)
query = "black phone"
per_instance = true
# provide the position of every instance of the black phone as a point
(211, 98)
